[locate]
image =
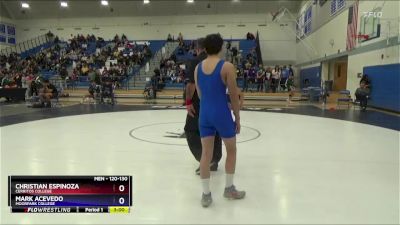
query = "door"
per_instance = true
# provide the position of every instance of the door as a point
(340, 76)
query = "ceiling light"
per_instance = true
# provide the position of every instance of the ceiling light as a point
(146, 1)
(104, 2)
(190, 1)
(64, 4)
(25, 5)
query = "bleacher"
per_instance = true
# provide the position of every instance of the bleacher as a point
(47, 73)
(246, 46)
(156, 45)
(170, 85)
(181, 54)
(37, 49)
(91, 48)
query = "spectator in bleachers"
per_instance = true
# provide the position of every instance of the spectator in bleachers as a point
(250, 36)
(291, 72)
(267, 79)
(284, 76)
(181, 75)
(260, 79)
(180, 38)
(63, 75)
(246, 72)
(235, 59)
(252, 75)
(169, 38)
(17, 79)
(85, 69)
(276, 73)
(123, 38)
(116, 38)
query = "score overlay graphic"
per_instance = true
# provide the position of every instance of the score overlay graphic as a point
(70, 194)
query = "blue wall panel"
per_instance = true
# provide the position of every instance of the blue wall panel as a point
(313, 74)
(385, 83)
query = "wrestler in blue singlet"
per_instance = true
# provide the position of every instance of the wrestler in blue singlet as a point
(215, 114)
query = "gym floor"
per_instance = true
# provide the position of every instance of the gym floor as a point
(298, 164)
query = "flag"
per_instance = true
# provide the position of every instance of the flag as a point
(352, 26)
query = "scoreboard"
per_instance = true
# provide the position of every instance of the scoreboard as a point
(70, 194)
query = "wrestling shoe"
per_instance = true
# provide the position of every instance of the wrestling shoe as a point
(232, 193)
(206, 200)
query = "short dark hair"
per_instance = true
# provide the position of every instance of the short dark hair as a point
(46, 80)
(213, 44)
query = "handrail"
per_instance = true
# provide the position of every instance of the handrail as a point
(26, 45)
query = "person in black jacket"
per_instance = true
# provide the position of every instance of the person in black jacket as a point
(363, 92)
(193, 108)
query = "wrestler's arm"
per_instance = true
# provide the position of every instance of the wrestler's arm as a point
(197, 84)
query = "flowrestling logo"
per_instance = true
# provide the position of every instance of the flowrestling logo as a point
(373, 14)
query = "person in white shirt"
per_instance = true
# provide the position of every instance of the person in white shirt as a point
(276, 74)
(267, 80)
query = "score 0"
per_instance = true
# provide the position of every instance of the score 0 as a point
(121, 189)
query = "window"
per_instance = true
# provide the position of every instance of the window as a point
(300, 26)
(2, 28)
(297, 29)
(307, 20)
(340, 4)
(11, 30)
(11, 40)
(337, 5)
(7, 33)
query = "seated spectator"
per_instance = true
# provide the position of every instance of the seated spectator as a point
(85, 70)
(94, 89)
(18, 80)
(47, 92)
(180, 38)
(169, 39)
(173, 78)
(363, 92)
(181, 76)
(123, 38)
(366, 80)
(250, 36)
(107, 90)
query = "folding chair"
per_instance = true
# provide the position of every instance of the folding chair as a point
(344, 99)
